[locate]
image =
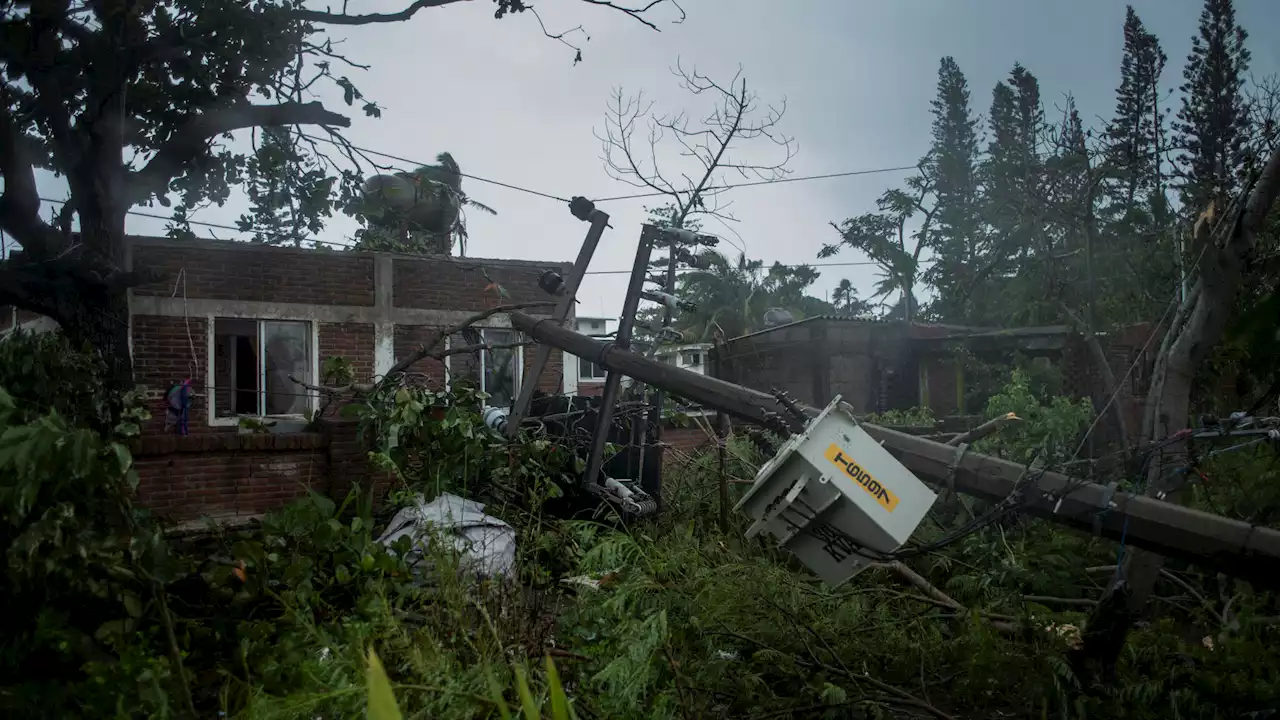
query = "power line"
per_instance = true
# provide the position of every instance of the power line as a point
(397, 158)
(349, 246)
(802, 178)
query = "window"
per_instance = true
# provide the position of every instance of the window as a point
(692, 358)
(497, 371)
(252, 362)
(588, 370)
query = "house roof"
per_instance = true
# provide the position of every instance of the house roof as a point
(927, 332)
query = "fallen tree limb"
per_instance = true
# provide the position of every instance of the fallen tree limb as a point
(986, 429)
(919, 582)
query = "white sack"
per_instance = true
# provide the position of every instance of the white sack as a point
(487, 545)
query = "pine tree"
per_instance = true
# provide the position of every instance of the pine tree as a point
(1012, 199)
(1212, 124)
(952, 163)
(1136, 237)
(1135, 132)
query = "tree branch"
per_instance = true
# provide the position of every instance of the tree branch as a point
(192, 138)
(428, 350)
(319, 16)
(329, 18)
(427, 347)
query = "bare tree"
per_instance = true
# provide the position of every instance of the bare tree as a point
(691, 173)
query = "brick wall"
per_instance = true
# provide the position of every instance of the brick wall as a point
(408, 339)
(348, 463)
(684, 443)
(352, 341)
(942, 385)
(163, 356)
(238, 271)
(222, 476)
(552, 378)
(459, 283)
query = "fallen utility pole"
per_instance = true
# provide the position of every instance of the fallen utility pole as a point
(1222, 544)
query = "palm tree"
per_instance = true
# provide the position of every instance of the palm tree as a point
(419, 211)
(842, 295)
(734, 296)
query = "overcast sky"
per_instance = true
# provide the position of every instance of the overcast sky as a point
(857, 76)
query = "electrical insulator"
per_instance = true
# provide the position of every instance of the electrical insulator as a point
(551, 283)
(495, 418)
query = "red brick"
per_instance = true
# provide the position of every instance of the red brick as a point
(234, 272)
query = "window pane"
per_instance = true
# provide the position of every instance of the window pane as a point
(287, 352)
(501, 368)
(235, 367)
(588, 370)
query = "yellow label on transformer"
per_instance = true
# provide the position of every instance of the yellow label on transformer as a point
(851, 468)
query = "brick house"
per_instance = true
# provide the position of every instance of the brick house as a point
(238, 320)
(893, 365)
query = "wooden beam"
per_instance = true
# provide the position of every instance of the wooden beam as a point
(1216, 542)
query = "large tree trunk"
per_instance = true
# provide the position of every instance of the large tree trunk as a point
(1196, 327)
(100, 321)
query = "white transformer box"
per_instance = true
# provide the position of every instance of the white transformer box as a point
(832, 494)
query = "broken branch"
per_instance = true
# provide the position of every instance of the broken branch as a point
(985, 429)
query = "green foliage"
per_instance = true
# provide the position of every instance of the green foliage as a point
(1049, 213)
(734, 295)
(675, 618)
(914, 417)
(46, 374)
(436, 442)
(883, 237)
(1050, 431)
(84, 573)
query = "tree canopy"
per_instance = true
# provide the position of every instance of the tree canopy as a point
(136, 103)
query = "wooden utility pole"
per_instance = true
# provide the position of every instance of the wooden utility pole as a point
(1229, 546)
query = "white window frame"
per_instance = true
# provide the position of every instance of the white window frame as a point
(604, 374)
(484, 358)
(313, 399)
